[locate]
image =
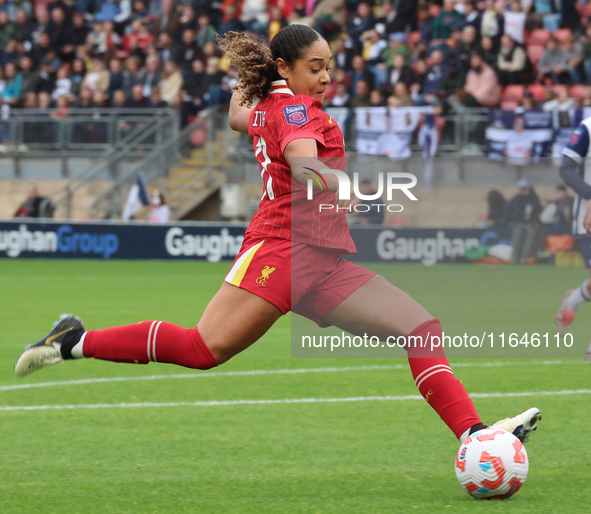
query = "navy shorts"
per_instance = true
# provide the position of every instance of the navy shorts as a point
(584, 243)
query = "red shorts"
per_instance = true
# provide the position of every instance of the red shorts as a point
(309, 280)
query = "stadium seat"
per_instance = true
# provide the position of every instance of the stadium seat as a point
(535, 52)
(537, 90)
(513, 92)
(576, 91)
(414, 37)
(434, 10)
(562, 34)
(509, 105)
(538, 37)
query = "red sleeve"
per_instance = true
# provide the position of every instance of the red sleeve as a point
(301, 118)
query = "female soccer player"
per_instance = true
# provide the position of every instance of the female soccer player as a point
(291, 134)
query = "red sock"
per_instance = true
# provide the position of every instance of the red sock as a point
(147, 341)
(437, 383)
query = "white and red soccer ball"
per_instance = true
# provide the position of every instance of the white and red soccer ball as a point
(491, 463)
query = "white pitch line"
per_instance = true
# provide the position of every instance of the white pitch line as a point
(280, 401)
(274, 372)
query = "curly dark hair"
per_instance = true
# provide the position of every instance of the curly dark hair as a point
(256, 62)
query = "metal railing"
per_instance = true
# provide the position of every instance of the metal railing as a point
(139, 137)
(155, 164)
(76, 129)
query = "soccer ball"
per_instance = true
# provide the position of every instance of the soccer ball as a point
(491, 463)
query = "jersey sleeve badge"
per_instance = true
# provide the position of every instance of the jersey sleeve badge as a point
(296, 115)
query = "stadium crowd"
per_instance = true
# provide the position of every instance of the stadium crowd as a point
(153, 53)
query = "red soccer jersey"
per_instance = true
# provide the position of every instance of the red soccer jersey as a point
(284, 210)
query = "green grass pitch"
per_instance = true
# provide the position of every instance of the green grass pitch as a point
(342, 457)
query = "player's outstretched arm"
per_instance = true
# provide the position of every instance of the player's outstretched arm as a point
(239, 116)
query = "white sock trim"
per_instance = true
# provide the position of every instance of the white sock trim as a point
(578, 297)
(78, 350)
(420, 376)
(465, 435)
(447, 370)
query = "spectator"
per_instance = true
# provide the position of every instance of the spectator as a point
(511, 62)
(482, 87)
(374, 47)
(586, 100)
(63, 84)
(276, 22)
(425, 24)
(78, 74)
(19, 5)
(401, 72)
(487, 51)
(402, 96)
(435, 74)
(376, 99)
(341, 98)
(519, 144)
(467, 45)
(42, 15)
(116, 77)
(74, 37)
(385, 23)
(40, 50)
(85, 99)
(159, 210)
(522, 212)
(554, 63)
(454, 81)
(363, 21)
(230, 21)
(417, 88)
(30, 208)
(171, 82)
(359, 72)
(167, 22)
(472, 17)
(6, 29)
(108, 40)
(119, 99)
(164, 48)
(57, 28)
(515, 21)
(563, 102)
(445, 21)
(586, 53)
(214, 79)
(361, 98)
(23, 30)
(10, 53)
(187, 51)
(141, 35)
(557, 216)
(205, 31)
(343, 55)
(137, 100)
(152, 74)
(493, 23)
(496, 209)
(98, 78)
(29, 76)
(132, 74)
(156, 101)
(406, 17)
(193, 89)
(573, 51)
(396, 46)
(13, 79)
(338, 77)
(187, 21)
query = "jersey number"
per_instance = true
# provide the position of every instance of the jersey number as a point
(261, 148)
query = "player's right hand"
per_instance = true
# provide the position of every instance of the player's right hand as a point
(587, 219)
